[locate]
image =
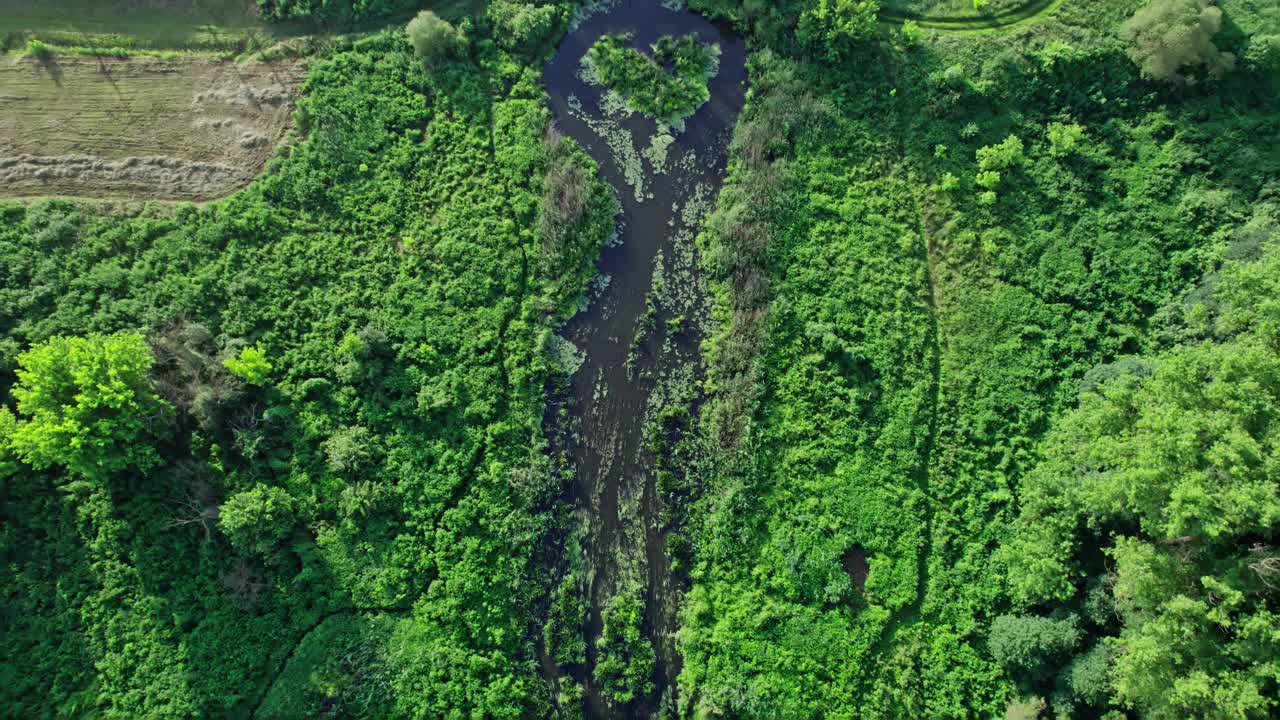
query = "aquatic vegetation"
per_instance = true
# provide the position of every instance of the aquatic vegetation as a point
(669, 85)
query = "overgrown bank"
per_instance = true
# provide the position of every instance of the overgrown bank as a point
(394, 278)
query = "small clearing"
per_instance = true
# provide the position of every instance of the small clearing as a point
(184, 128)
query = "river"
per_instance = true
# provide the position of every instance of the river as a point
(641, 332)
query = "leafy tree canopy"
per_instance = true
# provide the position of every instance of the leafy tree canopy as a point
(87, 404)
(256, 520)
(432, 37)
(1166, 36)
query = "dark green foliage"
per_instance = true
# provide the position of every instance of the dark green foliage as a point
(1025, 643)
(339, 670)
(1087, 677)
(332, 9)
(1263, 54)
(669, 85)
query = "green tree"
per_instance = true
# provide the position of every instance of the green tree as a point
(1166, 36)
(1007, 154)
(1086, 678)
(833, 28)
(432, 36)
(251, 365)
(348, 449)
(88, 405)
(256, 520)
(1025, 643)
(522, 26)
(1263, 54)
(8, 423)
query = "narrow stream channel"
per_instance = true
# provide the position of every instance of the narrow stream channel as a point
(643, 327)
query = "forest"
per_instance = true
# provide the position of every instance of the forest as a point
(957, 394)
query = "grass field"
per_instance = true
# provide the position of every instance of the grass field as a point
(192, 127)
(224, 26)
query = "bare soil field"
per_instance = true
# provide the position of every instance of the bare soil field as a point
(184, 128)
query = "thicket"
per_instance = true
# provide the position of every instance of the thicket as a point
(225, 426)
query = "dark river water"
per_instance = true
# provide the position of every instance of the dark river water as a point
(666, 181)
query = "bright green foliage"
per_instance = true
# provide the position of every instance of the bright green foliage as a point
(1024, 643)
(911, 33)
(1080, 370)
(971, 319)
(39, 49)
(257, 520)
(1003, 156)
(835, 28)
(1166, 36)
(250, 365)
(431, 36)
(774, 625)
(624, 665)
(988, 179)
(1063, 138)
(647, 84)
(87, 405)
(1185, 453)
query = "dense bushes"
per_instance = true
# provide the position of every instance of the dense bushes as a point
(1169, 475)
(624, 668)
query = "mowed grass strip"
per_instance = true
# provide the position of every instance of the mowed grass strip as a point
(107, 127)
